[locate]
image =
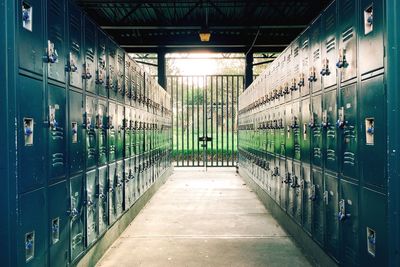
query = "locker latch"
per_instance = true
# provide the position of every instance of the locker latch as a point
(28, 131)
(342, 210)
(55, 230)
(301, 80)
(110, 124)
(294, 85)
(26, 16)
(368, 20)
(295, 182)
(341, 120)
(325, 122)
(371, 241)
(86, 74)
(286, 90)
(52, 117)
(294, 123)
(311, 124)
(71, 65)
(325, 68)
(369, 130)
(313, 193)
(88, 121)
(326, 197)
(51, 53)
(29, 246)
(73, 212)
(288, 178)
(342, 62)
(313, 75)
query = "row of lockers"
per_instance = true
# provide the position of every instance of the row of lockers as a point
(91, 131)
(311, 127)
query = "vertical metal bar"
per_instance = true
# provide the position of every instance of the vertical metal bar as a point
(222, 116)
(198, 124)
(187, 119)
(212, 122)
(177, 121)
(233, 121)
(192, 107)
(205, 121)
(216, 126)
(183, 142)
(227, 119)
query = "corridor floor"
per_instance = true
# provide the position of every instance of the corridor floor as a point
(204, 219)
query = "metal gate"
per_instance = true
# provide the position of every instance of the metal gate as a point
(205, 119)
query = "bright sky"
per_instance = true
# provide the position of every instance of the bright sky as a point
(196, 64)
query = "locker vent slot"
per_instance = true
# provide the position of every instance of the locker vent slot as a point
(27, 12)
(330, 45)
(317, 54)
(368, 20)
(348, 8)
(348, 34)
(55, 8)
(330, 22)
(305, 44)
(296, 51)
(75, 23)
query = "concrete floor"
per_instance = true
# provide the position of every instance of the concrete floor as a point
(204, 219)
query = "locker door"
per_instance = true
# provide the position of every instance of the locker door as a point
(127, 184)
(306, 77)
(54, 55)
(101, 72)
(347, 54)
(371, 20)
(133, 179)
(76, 130)
(316, 134)
(347, 124)
(373, 229)
(120, 132)
(31, 133)
(101, 122)
(305, 131)
(127, 80)
(112, 173)
(58, 224)
(329, 46)
(289, 131)
(295, 125)
(297, 79)
(132, 131)
(120, 75)
(56, 131)
(76, 214)
(112, 82)
(91, 132)
(75, 60)
(119, 188)
(127, 126)
(112, 131)
(316, 56)
(318, 211)
(297, 188)
(31, 36)
(285, 172)
(331, 209)
(329, 119)
(307, 197)
(103, 199)
(91, 207)
(89, 65)
(31, 233)
(349, 220)
(373, 132)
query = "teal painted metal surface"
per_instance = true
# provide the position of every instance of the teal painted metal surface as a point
(71, 114)
(347, 117)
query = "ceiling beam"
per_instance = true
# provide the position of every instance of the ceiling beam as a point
(228, 27)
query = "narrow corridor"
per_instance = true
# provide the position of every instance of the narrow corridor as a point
(204, 219)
